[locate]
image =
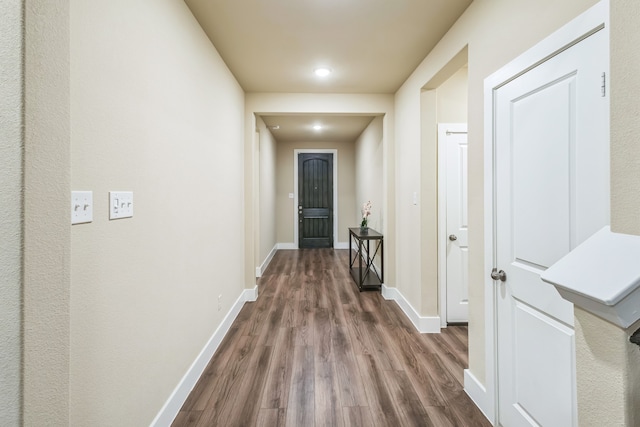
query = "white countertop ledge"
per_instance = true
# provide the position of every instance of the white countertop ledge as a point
(602, 276)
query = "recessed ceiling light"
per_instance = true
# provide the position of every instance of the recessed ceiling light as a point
(322, 72)
(317, 127)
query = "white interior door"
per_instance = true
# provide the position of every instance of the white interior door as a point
(453, 139)
(551, 193)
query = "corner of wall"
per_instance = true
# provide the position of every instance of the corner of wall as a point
(47, 231)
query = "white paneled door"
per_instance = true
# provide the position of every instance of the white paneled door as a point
(551, 192)
(457, 226)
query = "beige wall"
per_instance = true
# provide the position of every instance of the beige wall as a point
(46, 250)
(452, 98)
(267, 192)
(285, 179)
(608, 365)
(368, 179)
(625, 110)
(495, 33)
(154, 110)
(11, 144)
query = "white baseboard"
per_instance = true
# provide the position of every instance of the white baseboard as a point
(265, 263)
(287, 246)
(249, 295)
(293, 246)
(478, 393)
(424, 325)
(172, 406)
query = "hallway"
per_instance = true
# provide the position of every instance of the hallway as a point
(313, 351)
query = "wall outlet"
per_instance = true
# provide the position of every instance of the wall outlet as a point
(81, 207)
(219, 302)
(120, 204)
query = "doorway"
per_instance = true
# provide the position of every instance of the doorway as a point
(548, 191)
(453, 222)
(315, 200)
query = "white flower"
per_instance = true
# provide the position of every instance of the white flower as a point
(366, 210)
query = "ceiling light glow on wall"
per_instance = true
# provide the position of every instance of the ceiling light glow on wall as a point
(322, 72)
(317, 127)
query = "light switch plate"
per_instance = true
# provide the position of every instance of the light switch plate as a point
(120, 204)
(81, 207)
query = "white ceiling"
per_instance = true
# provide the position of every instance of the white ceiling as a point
(372, 46)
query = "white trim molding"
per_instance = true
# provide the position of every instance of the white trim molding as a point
(172, 406)
(287, 246)
(294, 246)
(478, 393)
(334, 152)
(443, 128)
(423, 324)
(261, 269)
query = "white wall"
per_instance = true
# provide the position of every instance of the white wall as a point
(267, 192)
(495, 33)
(154, 110)
(11, 143)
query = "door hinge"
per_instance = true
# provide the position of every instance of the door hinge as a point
(603, 88)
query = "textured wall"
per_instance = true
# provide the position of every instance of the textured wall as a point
(603, 367)
(11, 143)
(154, 111)
(608, 365)
(625, 110)
(46, 214)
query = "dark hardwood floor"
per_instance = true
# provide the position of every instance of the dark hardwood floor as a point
(313, 351)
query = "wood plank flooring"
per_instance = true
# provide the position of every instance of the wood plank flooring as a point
(313, 351)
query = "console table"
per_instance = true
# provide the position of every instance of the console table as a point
(361, 266)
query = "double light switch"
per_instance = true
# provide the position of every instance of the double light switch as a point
(81, 207)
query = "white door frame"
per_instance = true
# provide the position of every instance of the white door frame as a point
(594, 19)
(442, 216)
(334, 153)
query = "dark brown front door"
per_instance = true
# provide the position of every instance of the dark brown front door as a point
(315, 200)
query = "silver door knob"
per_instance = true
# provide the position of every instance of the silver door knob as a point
(453, 237)
(498, 275)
